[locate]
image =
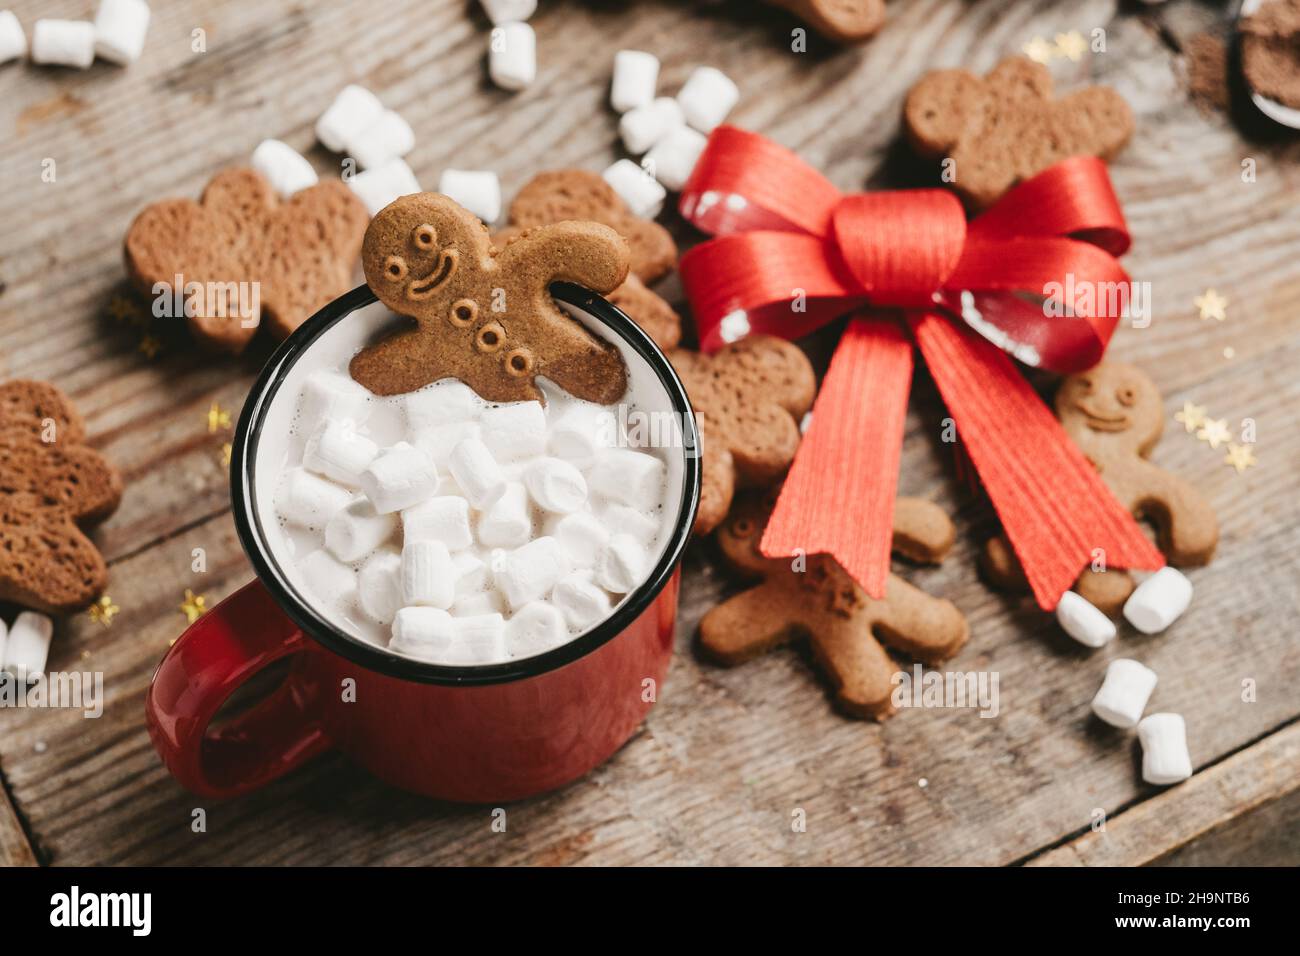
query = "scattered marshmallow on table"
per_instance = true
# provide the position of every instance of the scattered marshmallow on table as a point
(555, 485)
(1165, 758)
(388, 137)
(64, 43)
(707, 97)
(529, 572)
(444, 518)
(476, 472)
(357, 530)
(336, 451)
(13, 41)
(428, 576)
(506, 524)
(629, 477)
(583, 537)
(331, 394)
(354, 109)
(636, 74)
(309, 500)
(514, 431)
(284, 167)
(580, 601)
(505, 11)
(643, 127)
(621, 565)
(379, 586)
(1124, 693)
(120, 29)
(512, 55)
(330, 579)
(636, 187)
(534, 628)
(400, 478)
(28, 645)
(479, 191)
(1158, 601)
(1083, 621)
(673, 158)
(378, 187)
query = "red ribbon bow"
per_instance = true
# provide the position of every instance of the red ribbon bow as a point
(1035, 275)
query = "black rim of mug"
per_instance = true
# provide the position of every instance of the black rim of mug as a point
(248, 524)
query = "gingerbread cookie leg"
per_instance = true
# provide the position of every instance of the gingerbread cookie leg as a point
(927, 628)
(858, 667)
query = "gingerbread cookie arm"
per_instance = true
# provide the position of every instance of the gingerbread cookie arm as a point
(927, 628)
(586, 253)
(749, 624)
(922, 530)
(1186, 527)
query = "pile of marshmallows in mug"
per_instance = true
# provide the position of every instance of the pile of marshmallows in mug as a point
(117, 35)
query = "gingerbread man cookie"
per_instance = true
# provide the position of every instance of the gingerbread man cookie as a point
(1115, 415)
(244, 256)
(748, 399)
(562, 194)
(844, 21)
(51, 486)
(1006, 127)
(845, 626)
(486, 317)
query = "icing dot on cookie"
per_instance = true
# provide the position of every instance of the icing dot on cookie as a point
(424, 236)
(463, 312)
(490, 337)
(395, 267)
(519, 362)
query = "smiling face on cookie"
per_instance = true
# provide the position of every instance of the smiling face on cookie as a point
(1113, 404)
(416, 251)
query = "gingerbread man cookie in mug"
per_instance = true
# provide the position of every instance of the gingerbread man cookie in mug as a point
(483, 317)
(845, 626)
(1115, 415)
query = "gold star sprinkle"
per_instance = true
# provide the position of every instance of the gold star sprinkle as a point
(1214, 431)
(225, 453)
(1071, 45)
(1211, 305)
(103, 611)
(218, 418)
(1039, 50)
(1240, 457)
(194, 606)
(150, 346)
(1192, 416)
(123, 310)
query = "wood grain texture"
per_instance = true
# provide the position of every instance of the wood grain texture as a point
(728, 755)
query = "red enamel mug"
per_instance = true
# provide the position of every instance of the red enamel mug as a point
(476, 734)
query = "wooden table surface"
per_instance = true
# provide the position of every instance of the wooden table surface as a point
(727, 758)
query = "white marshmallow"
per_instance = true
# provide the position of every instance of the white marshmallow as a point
(478, 191)
(707, 98)
(514, 431)
(512, 55)
(582, 432)
(353, 109)
(635, 76)
(507, 524)
(1158, 601)
(379, 586)
(583, 538)
(309, 500)
(388, 137)
(580, 601)
(483, 602)
(631, 521)
(644, 126)
(1124, 693)
(28, 646)
(357, 530)
(622, 564)
(13, 41)
(673, 158)
(401, 477)
(331, 394)
(336, 451)
(284, 167)
(423, 632)
(378, 187)
(636, 187)
(444, 403)
(1165, 758)
(64, 43)
(528, 573)
(120, 28)
(428, 577)
(1084, 622)
(333, 582)
(477, 473)
(629, 477)
(480, 639)
(555, 485)
(535, 628)
(472, 574)
(439, 441)
(445, 519)
(504, 11)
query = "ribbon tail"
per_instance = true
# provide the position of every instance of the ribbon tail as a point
(1055, 508)
(839, 496)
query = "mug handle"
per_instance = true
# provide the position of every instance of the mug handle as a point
(220, 651)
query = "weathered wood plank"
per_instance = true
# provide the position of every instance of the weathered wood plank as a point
(15, 849)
